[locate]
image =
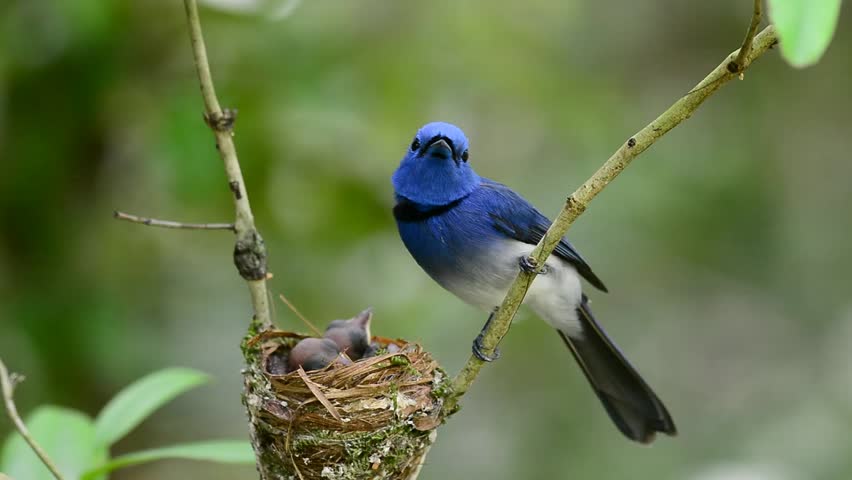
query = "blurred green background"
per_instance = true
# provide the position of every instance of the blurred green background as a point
(726, 246)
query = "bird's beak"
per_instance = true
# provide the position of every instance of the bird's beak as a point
(441, 149)
(363, 320)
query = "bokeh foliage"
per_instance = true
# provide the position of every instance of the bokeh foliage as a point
(726, 246)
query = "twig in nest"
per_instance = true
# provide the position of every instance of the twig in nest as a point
(290, 451)
(153, 222)
(8, 386)
(315, 390)
(293, 308)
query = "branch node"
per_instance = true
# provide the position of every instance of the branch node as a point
(250, 256)
(739, 64)
(221, 121)
(572, 204)
(631, 142)
(235, 189)
(15, 379)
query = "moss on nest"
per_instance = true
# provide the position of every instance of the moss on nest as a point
(373, 419)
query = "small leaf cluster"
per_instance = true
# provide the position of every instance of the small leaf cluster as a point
(80, 446)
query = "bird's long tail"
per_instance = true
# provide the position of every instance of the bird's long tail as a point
(630, 402)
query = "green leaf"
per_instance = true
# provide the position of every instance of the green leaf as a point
(805, 28)
(67, 436)
(222, 451)
(139, 400)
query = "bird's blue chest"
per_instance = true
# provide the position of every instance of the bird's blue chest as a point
(444, 244)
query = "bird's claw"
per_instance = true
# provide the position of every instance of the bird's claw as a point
(529, 265)
(478, 349)
(480, 354)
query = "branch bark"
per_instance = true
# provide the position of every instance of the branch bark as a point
(8, 386)
(577, 203)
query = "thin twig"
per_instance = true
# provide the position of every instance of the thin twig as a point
(8, 386)
(153, 222)
(315, 390)
(738, 65)
(577, 203)
(304, 320)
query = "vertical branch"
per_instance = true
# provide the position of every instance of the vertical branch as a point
(8, 387)
(249, 250)
(577, 203)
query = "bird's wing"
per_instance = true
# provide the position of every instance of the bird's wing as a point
(517, 218)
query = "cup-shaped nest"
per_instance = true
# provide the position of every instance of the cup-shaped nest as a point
(372, 419)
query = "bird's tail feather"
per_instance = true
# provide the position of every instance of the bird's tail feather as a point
(630, 402)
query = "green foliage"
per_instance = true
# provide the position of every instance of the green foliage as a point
(67, 436)
(80, 446)
(805, 28)
(139, 400)
(225, 451)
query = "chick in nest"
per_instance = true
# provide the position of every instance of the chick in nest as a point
(352, 337)
(315, 354)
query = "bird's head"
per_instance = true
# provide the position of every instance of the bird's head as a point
(435, 169)
(352, 336)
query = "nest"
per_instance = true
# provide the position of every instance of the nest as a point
(372, 419)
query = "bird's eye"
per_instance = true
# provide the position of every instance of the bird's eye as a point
(415, 145)
(465, 155)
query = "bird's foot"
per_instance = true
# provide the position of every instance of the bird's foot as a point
(480, 354)
(478, 349)
(529, 265)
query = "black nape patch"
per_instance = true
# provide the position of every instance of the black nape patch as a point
(406, 211)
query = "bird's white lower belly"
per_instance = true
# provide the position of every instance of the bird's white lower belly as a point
(554, 295)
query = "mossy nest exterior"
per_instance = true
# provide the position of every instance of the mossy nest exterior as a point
(373, 419)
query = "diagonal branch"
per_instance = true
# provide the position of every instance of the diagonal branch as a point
(577, 203)
(153, 222)
(249, 251)
(7, 383)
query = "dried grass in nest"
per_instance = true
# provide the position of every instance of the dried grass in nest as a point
(373, 419)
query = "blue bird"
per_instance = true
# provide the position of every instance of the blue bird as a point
(471, 234)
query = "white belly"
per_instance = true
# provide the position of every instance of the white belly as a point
(554, 295)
